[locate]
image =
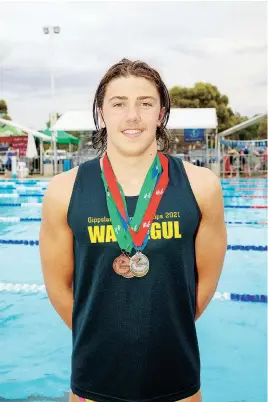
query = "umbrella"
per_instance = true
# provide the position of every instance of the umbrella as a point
(62, 137)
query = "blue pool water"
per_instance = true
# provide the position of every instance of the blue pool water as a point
(35, 344)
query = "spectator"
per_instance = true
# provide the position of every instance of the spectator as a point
(10, 152)
(244, 165)
(265, 158)
(231, 161)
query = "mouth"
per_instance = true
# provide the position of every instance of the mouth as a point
(132, 133)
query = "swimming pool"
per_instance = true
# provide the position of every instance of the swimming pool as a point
(36, 345)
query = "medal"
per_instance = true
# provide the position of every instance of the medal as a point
(139, 264)
(121, 264)
(128, 275)
(134, 232)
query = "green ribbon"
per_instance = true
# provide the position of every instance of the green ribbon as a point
(120, 227)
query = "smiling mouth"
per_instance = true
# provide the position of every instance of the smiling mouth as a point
(132, 133)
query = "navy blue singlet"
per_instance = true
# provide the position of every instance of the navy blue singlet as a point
(134, 339)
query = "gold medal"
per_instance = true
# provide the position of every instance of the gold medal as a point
(139, 264)
(121, 264)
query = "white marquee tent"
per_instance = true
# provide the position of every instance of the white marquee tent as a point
(35, 133)
(82, 120)
(193, 118)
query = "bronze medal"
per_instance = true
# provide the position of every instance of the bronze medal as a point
(121, 264)
(139, 264)
(129, 274)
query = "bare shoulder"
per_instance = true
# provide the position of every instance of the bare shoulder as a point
(205, 184)
(59, 189)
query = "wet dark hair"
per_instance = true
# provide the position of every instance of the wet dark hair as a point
(126, 68)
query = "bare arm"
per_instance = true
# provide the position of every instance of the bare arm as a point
(56, 245)
(211, 240)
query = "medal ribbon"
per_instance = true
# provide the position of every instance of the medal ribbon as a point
(152, 191)
(120, 225)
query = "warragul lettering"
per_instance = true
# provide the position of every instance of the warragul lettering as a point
(163, 230)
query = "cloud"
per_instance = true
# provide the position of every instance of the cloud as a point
(252, 50)
(223, 43)
(33, 82)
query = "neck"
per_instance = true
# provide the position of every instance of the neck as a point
(131, 170)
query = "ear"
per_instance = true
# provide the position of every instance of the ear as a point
(100, 117)
(161, 116)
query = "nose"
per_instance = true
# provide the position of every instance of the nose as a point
(132, 114)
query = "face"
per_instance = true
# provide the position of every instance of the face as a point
(131, 113)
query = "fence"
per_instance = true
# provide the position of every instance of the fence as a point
(243, 165)
(230, 165)
(33, 165)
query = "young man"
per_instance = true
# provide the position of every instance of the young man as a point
(132, 247)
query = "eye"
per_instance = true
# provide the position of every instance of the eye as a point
(118, 104)
(146, 104)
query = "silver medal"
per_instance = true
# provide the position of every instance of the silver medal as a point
(139, 264)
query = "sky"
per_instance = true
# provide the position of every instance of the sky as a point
(223, 43)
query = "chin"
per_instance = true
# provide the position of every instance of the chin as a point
(134, 150)
(133, 147)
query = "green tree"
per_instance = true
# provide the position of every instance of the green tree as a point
(262, 129)
(253, 132)
(205, 95)
(4, 110)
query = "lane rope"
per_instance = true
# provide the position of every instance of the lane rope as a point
(14, 219)
(229, 247)
(17, 195)
(223, 296)
(245, 196)
(250, 188)
(246, 206)
(23, 204)
(31, 204)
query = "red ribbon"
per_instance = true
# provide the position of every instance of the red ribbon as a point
(139, 236)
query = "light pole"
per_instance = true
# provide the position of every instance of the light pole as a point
(51, 31)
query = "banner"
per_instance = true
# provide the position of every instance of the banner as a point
(18, 142)
(194, 134)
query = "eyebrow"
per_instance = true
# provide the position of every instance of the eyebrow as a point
(126, 98)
